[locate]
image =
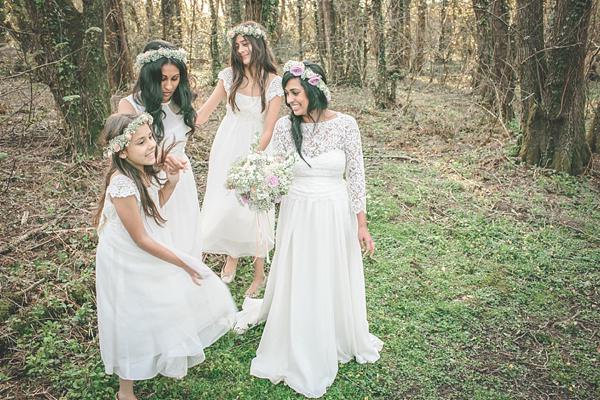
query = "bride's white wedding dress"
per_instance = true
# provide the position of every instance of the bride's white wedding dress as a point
(314, 303)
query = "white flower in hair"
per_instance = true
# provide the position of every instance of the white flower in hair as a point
(153, 55)
(121, 141)
(248, 30)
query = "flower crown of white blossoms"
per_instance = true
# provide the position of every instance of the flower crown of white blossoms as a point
(121, 141)
(248, 30)
(297, 68)
(153, 55)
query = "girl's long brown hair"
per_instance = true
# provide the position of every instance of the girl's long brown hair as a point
(115, 124)
(262, 56)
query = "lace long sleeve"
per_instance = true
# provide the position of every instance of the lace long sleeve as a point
(355, 169)
(282, 135)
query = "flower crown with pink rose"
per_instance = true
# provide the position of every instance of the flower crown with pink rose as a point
(121, 141)
(297, 68)
(248, 30)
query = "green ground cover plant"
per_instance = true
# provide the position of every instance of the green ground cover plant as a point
(484, 284)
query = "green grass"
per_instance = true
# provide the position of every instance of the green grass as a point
(484, 284)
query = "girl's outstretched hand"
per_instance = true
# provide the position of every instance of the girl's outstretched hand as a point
(175, 163)
(193, 274)
(367, 244)
(172, 174)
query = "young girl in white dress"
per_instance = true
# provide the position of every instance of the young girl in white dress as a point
(314, 304)
(158, 308)
(254, 95)
(163, 90)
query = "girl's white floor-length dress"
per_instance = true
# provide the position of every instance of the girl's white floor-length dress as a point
(152, 318)
(227, 227)
(314, 303)
(182, 211)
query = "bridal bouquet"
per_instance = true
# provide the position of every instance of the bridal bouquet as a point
(260, 180)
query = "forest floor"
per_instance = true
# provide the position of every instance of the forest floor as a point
(484, 284)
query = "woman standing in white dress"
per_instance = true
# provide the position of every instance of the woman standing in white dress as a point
(314, 304)
(254, 95)
(163, 90)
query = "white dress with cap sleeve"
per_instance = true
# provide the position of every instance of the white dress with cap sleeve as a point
(314, 303)
(152, 318)
(182, 211)
(227, 227)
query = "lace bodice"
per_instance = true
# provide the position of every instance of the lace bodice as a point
(175, 129)
(249, 106)
(120, 186)
(324, 138)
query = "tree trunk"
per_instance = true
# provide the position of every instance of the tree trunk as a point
(444, 34)
(150, 17)
(75, 70)
(593, 137)
(269, 15)
(397, 46)
(299, 4)
(483, 42)
(214, 41)
(3, 35)
(192, 32)
(502, 68)
(407, 37)
(326, 18)
(355, 28)
(381, 87)
(236, 12)
(554, 135)
(254, 10)
(420, 45)
(171, 17)
(530, 57)
(281, 19)
(319, 32)
(118, 57)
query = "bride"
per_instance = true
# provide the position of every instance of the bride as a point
(314, 303)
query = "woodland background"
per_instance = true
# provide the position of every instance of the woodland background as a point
(480, 124)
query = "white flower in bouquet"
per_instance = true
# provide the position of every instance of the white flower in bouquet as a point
(260, 180)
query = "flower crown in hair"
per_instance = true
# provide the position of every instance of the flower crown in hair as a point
(118, 143)
(297, 68)
(248, 30)
(153, 55)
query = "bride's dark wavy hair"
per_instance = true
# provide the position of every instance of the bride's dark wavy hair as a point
(316, 101)
(148, 91)
(115, 124)
(262, 56)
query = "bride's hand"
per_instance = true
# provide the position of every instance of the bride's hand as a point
(367, 244)
(175, 163)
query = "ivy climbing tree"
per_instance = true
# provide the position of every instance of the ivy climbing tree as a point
(554, 133)
(68, 48)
